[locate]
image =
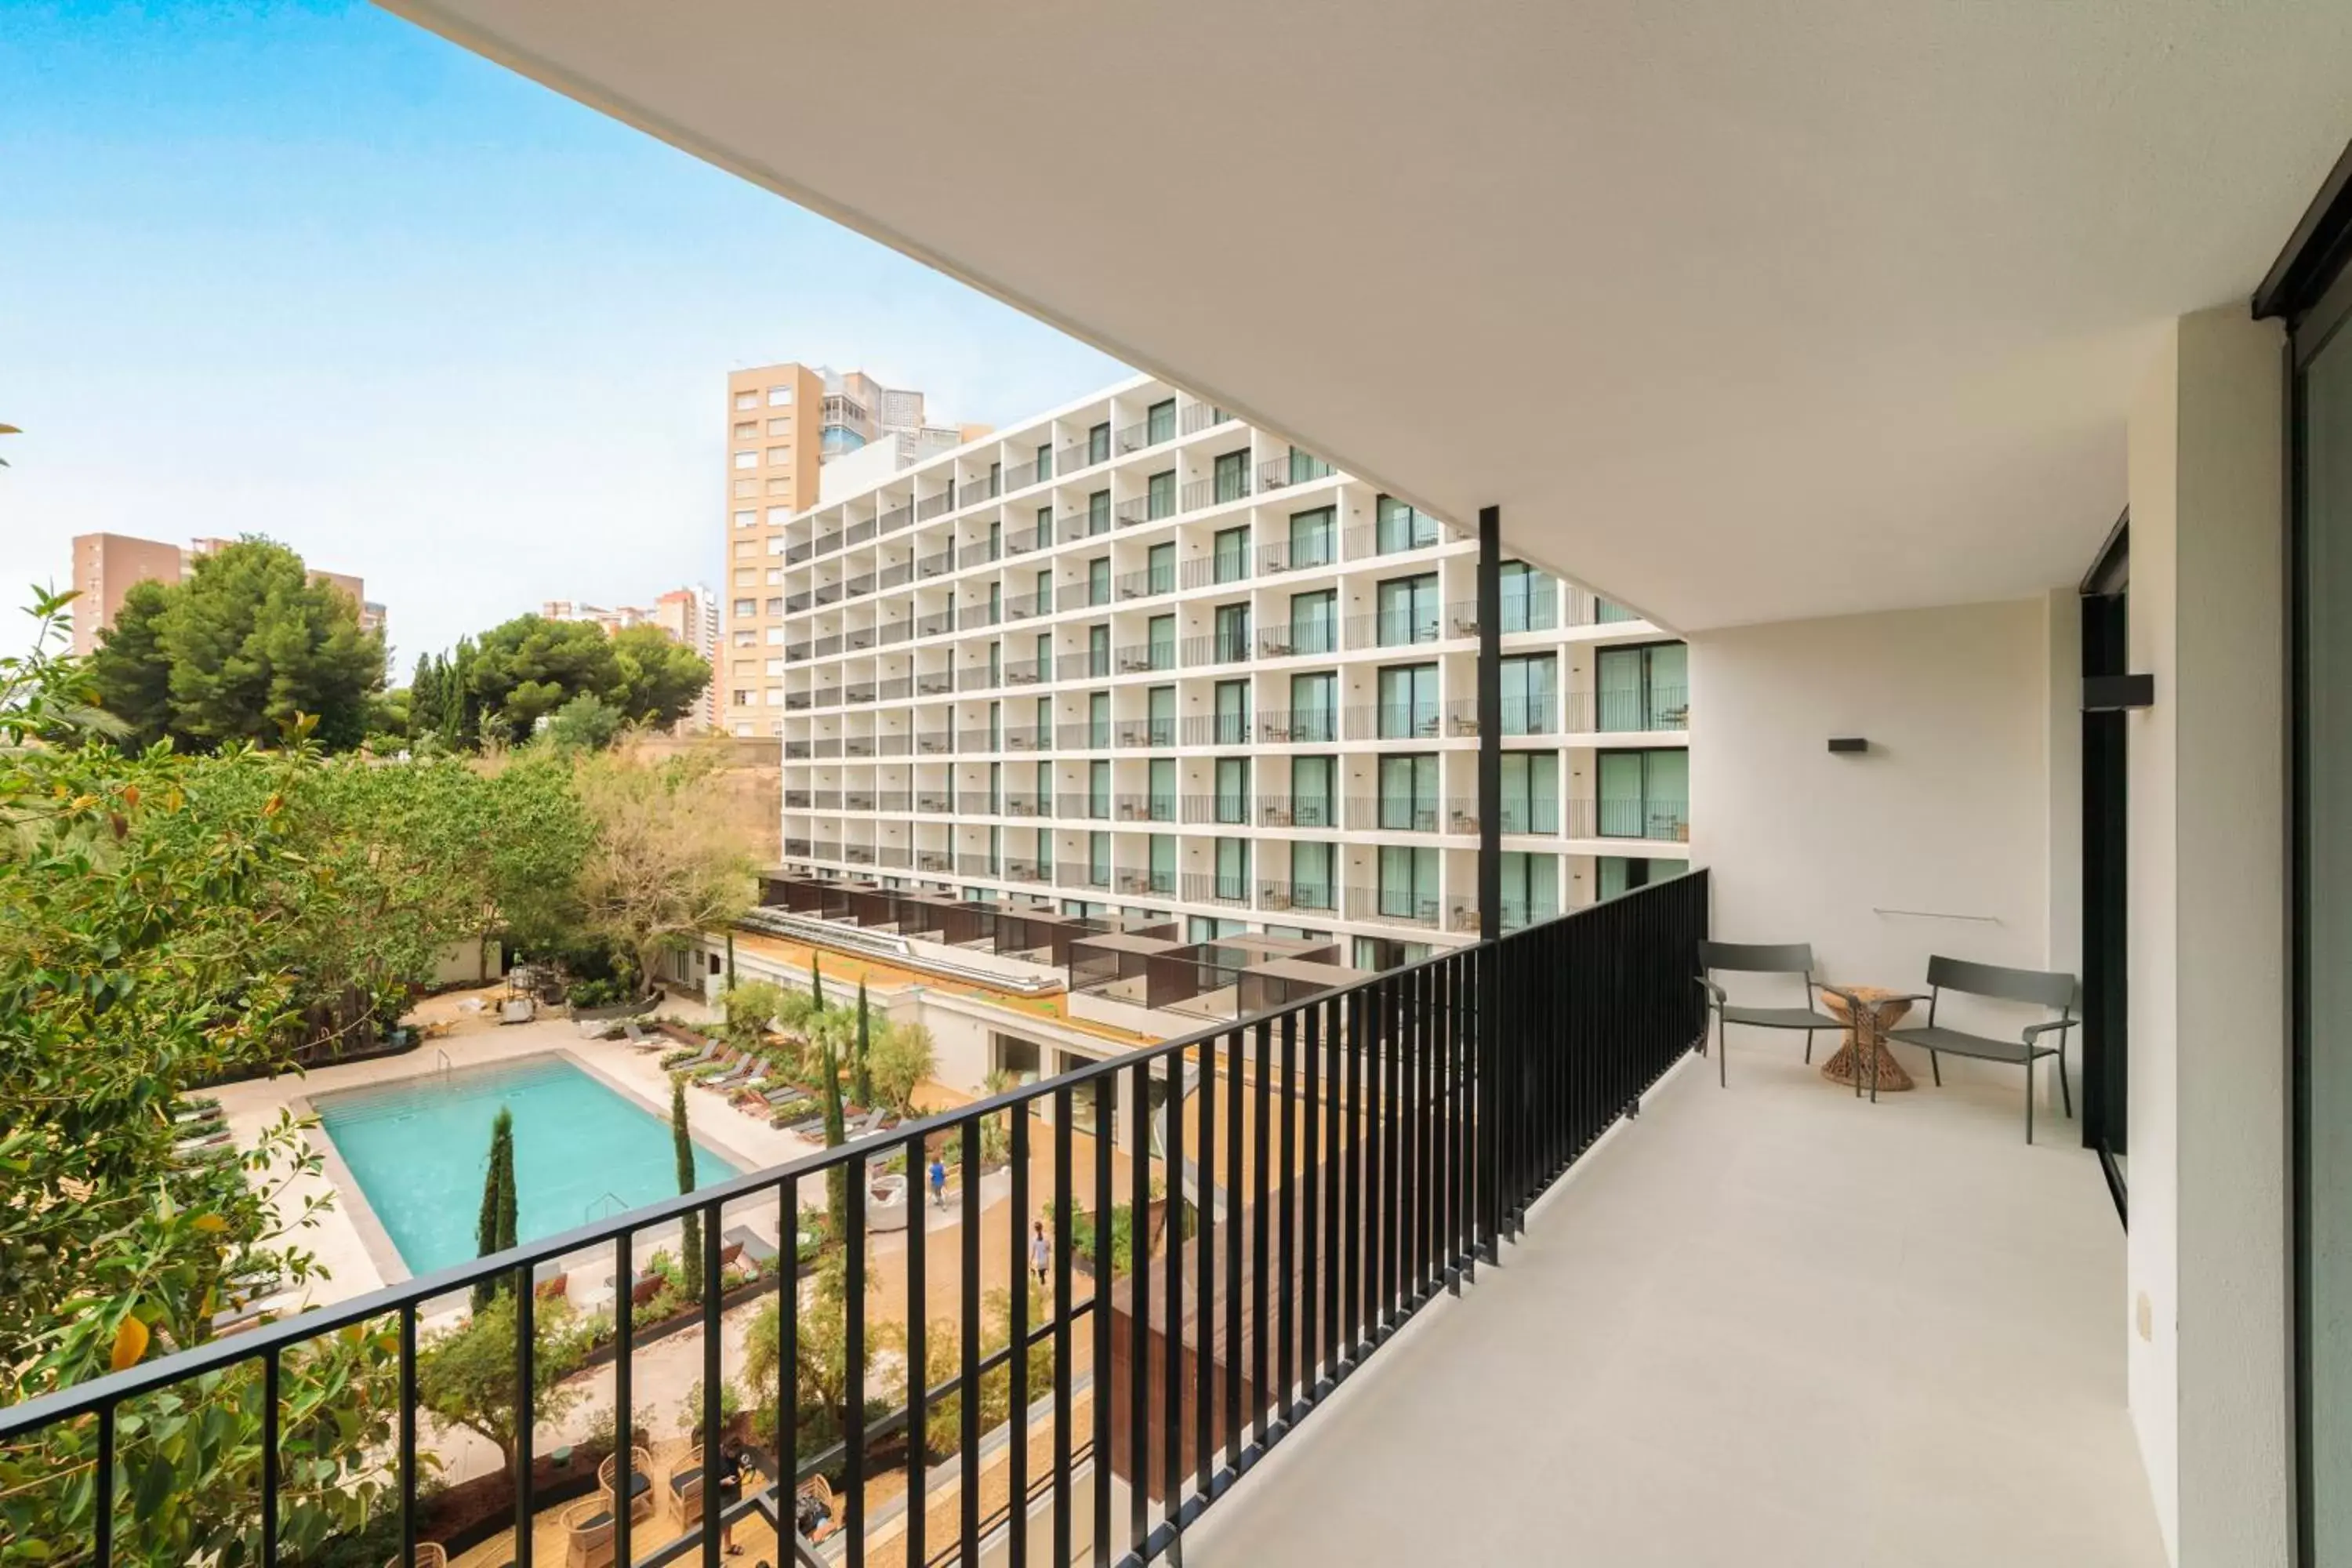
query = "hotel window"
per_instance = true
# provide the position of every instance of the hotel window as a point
(742, 698)
(1233, 716)
(778, 516)
(1159, 710)
(1645, 794)
(746, 488)
(1311, 538)
(1160, 569)
(1644, 686)
(1530, 792)
(780, 396)
(746, 518)
(1530, 694)
(1623, 873)
(1232, 633)
(775, 606)
(1232, 473)
(1315, 706)
(1160, 422)
(1098, 512)
(1314, 622)
(1233, 868)
(1160, 642)
(1530, 889)
(1099, 791)
(781, 425)
(1305, 466)
(1161, 806)
(1408, 701)
(1160, 494)
(774, 634)
(1408, 882)
(1045, 462)
(780, 487)
(1526, 598)
(747, 607)
(1099, 443)
(1233, 777)
(747, 547)
(1407, 801)
(1310, 874)
(779, 456)
(744, 637)
(747, 459)
(1098, 723)
(1401, 527)
(1231, 553)
(1163, 862)
(747, 430)
(1313, 784)
(1408, 610)
(747, 399)
(1098, 580)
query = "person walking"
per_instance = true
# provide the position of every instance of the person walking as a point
(939, 1182)
(1041, 1252)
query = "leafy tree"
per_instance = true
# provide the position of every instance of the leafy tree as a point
(820, 1365)
(495, 1230)
(660, 679)
(662, 863)
(943, 1359)
(996, 1131)
(682, 1145)
(137, 904)
(752, 1007)
(527, 668)
(586, 723)
(903, 1057)
(243, 646)
(388, 720)
(862, 1082)
(466, 1376)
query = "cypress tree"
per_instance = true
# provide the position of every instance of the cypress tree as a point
(690, 1241)
(424, 698)
(837, 1133)
(863, 1085)
(816, 981)
(494, 1229)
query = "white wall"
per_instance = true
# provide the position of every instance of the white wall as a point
(2206, 1312)
(1948, 814)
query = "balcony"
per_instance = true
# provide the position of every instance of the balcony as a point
(1216, 888)
(1298, 639)
(1139, 658)
(1151, 733)
(1216, 491)
(1659, 710)
(1382, 814)
(1216, 647)
(1298, 726)
(1319, 898)
(1650, 820)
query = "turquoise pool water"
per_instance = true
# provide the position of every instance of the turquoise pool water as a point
(419, 1148)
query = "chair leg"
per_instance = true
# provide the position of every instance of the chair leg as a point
(1722, 1068)
(1809, 1048)
(2066, 1095)
(2029, 1108)
(1936, 1066)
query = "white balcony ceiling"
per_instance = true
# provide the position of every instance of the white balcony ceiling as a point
(1739, 313)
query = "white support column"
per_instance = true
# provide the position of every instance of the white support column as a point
(2206, 1295)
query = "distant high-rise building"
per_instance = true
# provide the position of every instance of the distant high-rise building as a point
(784, 422)
(105, 565)
(689, 617)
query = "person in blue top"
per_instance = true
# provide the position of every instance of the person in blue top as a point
(939, 1182)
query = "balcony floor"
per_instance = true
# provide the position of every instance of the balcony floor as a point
(1764, 1325)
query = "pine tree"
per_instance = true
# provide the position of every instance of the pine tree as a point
(424, 698)
(862, 1086)
(691, 1239)
(494, 1231)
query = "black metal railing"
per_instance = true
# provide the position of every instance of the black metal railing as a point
(1351, 1154)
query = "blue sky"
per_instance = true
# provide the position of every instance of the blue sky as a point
(307, 271)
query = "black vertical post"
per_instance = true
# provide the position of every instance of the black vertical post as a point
(1490, 863)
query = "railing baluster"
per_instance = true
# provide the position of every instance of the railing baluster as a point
(625, 1344)
(917, 1160)
(1285, 1236)
(103, 1489)
(714, 1497)
(1235, 1285)
(1204, 1279)
(788, 1341)
(1106, 1090)
(853, 1342)
(1261, 1158)
(1351, 1294)
(526, 1407)
(1139, 1317)
(968, 1297)
(1017, 1457)
(1310, 1273)
(1171, 1339)
(406, 1462)
(1334, 1177)
(1065, 1365)
(269, 1458)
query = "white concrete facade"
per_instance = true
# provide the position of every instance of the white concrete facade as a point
(1135, 654)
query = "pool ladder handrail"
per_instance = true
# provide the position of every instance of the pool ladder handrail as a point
(442, 1058)
(588, 1212)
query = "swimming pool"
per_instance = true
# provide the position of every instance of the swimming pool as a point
(418, 1149)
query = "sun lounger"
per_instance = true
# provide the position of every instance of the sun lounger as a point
(734, 1078)
(808, 1127)
(750, 1244)
(704, 1058)
(638, 1037)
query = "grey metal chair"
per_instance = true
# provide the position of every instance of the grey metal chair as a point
(2046, 987)
(1761, 958)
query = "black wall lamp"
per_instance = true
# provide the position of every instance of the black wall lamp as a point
(1848, 745)
(2116, 693)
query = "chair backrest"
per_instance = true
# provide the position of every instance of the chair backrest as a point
(1757, 958)
(2048, 988)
